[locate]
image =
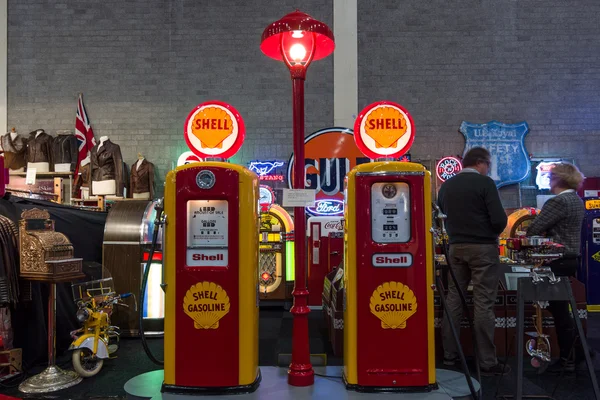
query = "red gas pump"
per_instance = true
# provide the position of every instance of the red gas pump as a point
(210, 262)
(388, 268)
(324, 253)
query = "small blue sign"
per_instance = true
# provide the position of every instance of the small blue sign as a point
(506, 144)
(264, 168)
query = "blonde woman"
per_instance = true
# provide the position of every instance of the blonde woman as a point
(561, 219)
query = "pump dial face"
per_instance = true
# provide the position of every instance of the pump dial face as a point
(205, 179)
(388, 191)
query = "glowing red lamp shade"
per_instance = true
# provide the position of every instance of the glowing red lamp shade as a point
(297, 39)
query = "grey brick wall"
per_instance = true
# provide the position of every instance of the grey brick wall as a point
(482, 60)
(143, 65)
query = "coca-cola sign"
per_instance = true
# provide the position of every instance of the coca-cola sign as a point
(329, 154)
(327, 207)
(337, 225)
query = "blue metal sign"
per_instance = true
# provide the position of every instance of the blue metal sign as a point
(506, 144)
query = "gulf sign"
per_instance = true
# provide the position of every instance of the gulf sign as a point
(329, 154)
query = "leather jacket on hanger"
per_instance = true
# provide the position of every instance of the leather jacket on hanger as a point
(142, 178)
(39, 148)
(107, 164)
(65, 150)
(15, 151)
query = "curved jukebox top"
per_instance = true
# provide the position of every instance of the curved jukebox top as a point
(276, 258)
(127, 238)
(518, 221)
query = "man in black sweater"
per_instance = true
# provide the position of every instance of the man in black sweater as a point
(475, 218)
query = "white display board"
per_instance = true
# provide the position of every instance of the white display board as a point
(207, 233)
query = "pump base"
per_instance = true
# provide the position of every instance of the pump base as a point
(380, 389)
(188, 390)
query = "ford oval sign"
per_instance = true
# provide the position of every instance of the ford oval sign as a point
(327, 207)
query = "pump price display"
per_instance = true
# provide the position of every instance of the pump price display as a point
(390, 206)
(207, 235)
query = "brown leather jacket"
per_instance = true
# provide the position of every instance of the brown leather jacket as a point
(142, 178)
(107, 164)
(39, 148)
(65, 150)
(14, 151)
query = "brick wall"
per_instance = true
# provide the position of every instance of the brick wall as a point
(143, 65)
(482, 60)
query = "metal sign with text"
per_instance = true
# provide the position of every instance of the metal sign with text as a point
(506, 144)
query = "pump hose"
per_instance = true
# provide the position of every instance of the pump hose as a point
(157, 222)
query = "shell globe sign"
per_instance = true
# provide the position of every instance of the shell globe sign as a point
(329, 154)
(384, 130)
(214, 129)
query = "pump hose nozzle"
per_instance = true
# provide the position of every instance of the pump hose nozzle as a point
(159, 221)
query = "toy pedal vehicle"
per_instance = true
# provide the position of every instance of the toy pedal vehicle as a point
(97, 340)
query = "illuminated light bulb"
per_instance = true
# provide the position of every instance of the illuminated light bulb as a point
(297, 34)
(297, 52)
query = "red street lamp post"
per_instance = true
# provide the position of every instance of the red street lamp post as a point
(297, 39)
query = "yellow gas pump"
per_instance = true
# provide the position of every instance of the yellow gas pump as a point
(211, 259)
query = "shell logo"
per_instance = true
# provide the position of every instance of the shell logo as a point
(211, 126)
(206, 303)
(384, 129)
(393, 303)
(214, 129)
(385, 125)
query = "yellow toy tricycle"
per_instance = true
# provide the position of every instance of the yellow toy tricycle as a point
(97, 340)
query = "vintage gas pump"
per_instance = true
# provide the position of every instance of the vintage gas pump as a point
(388, 276)
(210, 262)
(324, 253)
(589, 271)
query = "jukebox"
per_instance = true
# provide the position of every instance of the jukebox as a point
(127, 238)
(276, 254)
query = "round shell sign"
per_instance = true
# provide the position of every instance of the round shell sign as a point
(214, 129)
(384, 129)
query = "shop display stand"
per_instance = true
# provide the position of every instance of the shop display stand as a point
(52, 378)
(545, 290)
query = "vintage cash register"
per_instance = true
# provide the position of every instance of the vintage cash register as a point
(46, 255)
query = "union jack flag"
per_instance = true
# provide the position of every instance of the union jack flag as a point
(83, 133)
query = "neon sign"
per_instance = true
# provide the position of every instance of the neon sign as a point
(187, 158)
(542, 179)
(327, 207)
(448, 167)
(264, 170)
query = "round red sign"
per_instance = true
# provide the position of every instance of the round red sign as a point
(384, 129)
(447, 167)
(214, 129)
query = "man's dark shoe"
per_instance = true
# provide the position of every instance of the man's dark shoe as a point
(498, 369)
(562, 366)
(451, 362)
